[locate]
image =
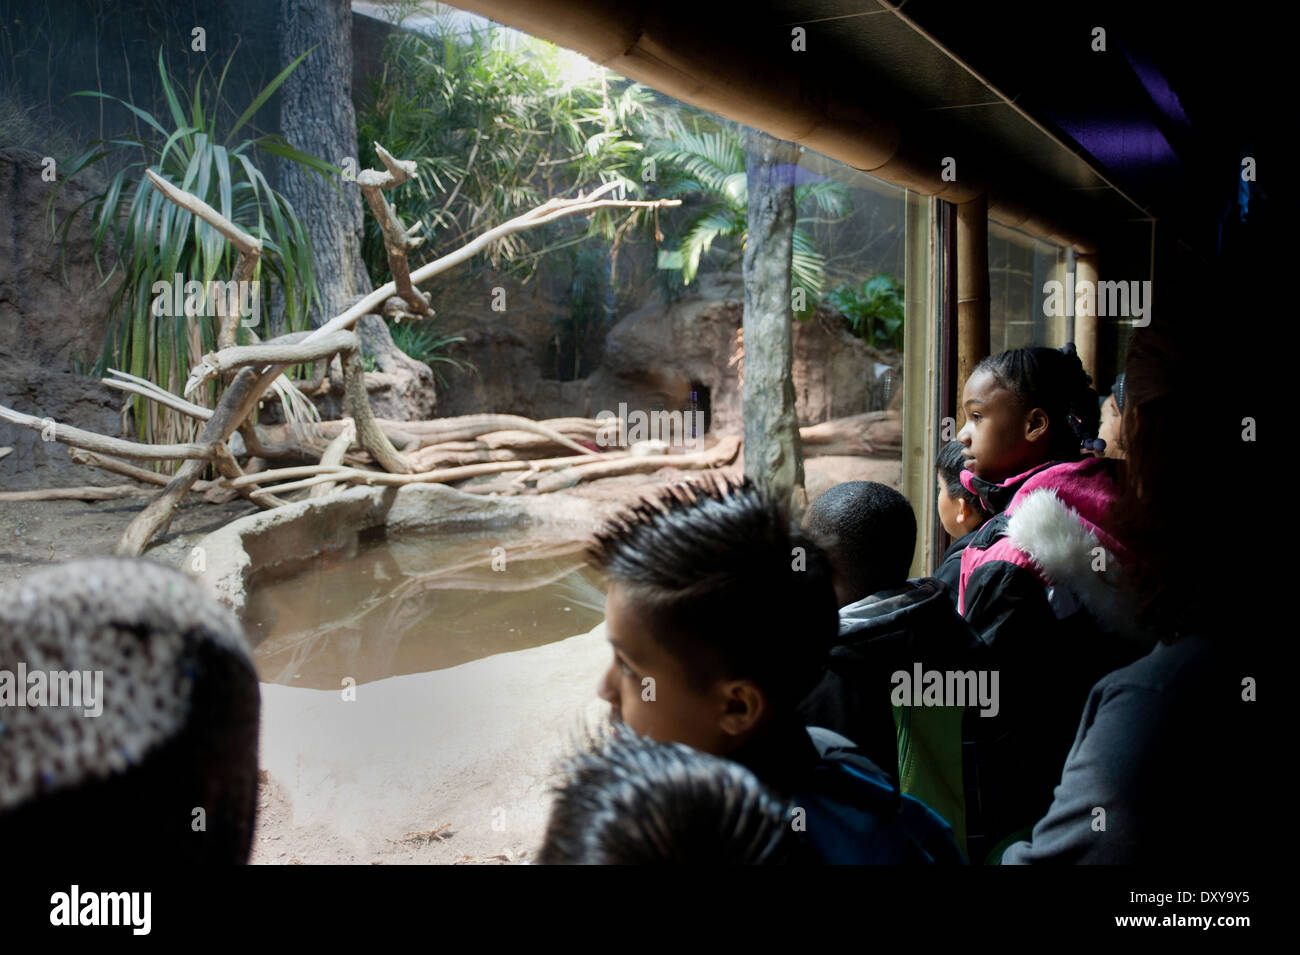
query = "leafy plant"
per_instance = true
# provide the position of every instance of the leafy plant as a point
(423, 342)
(874, 310)
(709, 165)
(153, 239)
(496, 124)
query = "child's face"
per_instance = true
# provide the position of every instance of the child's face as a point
(1110, 429)
(648, 688)
(1002, 437)
(948, 511)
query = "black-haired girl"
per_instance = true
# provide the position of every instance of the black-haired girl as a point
(1039, 582)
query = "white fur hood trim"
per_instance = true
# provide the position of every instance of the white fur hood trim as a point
(1056, 540)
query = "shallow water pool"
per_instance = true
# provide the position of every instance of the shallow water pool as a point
(409, 604)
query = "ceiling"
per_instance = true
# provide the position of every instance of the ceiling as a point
(1064, 139)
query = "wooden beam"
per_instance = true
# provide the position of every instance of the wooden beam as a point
(1085, 314)
(972, 289)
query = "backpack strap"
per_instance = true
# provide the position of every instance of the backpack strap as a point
(842, 751)
(865, 786)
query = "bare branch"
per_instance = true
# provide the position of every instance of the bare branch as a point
(240, 239)
(98, 442)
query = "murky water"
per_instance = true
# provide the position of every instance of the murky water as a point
(417, 603)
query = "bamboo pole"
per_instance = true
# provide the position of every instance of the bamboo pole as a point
(972, 288)
(1085, 314)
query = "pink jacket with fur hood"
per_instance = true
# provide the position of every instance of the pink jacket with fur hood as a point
(1057, 527)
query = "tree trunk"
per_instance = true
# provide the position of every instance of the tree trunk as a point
(316, 116)
(772, 453)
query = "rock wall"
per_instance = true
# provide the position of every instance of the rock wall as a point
(67, 398)
(47, 316)
(657, 355)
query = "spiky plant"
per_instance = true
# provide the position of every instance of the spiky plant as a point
(151, 239)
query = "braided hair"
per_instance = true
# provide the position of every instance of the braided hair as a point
(1053, 379)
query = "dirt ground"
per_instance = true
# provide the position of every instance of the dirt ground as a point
(32, 534)
(425, 773)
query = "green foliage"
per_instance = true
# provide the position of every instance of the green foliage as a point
(152, 239)
(874, 310)
(422, 341)
(706, 163)
(588, 269)
(496, 124)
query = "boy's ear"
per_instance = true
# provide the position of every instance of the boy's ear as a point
(964, 510)
(744, 707)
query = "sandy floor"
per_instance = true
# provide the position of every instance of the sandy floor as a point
(443, 767)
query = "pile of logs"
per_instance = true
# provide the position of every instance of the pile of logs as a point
(444, 450)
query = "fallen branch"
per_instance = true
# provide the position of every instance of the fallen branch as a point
(248, 386)
(369, 434)
(240, 239)
(273, 352)
(235, 405)
(112, 493)
(154, 393)
(548, 211)
(333, 456)
(198, 451)
(722, 453)
(91, 459)
(874, 433)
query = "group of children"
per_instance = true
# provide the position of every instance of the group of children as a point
(807, 736)
(783, 693)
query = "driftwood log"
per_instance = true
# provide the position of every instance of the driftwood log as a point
(874, 434)
(724, 452)
(249, 371)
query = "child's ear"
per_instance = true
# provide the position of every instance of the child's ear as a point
(1036, 425)
(744, 709)
(964, 510)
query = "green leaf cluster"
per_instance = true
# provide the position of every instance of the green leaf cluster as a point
(873, 310)
(704, 163)
(496, 123)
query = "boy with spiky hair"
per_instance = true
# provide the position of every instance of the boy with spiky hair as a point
(720, 613)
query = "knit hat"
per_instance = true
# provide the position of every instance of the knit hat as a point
(128, 716)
